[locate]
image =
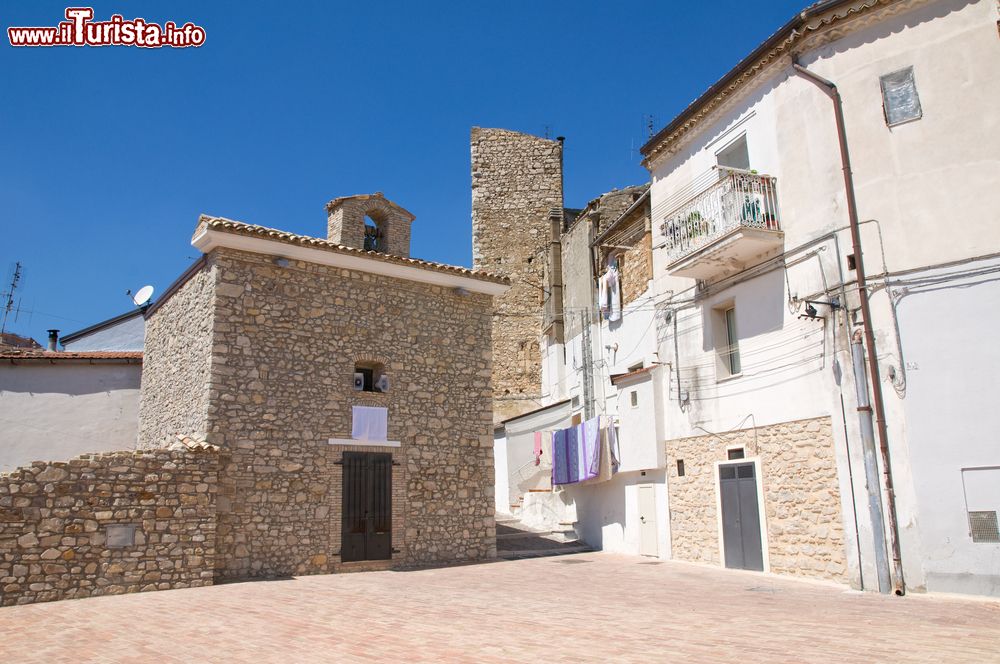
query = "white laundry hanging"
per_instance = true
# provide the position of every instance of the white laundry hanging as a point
(610, 294)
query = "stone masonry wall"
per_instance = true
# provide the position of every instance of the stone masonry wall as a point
(801, 497)
(346, 222)
(637, 269)
(283, 359)
(54, 520)
(516, 181)
(580, 284)
(175, 373)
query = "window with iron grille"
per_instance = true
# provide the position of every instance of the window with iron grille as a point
(983, 526)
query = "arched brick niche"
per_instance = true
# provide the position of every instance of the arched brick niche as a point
(387, 224)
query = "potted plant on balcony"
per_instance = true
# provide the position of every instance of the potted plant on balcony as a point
(696, 225)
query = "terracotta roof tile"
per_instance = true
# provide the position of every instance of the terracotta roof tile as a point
(30, 354)
(252, 230)
(193, 444)
(618, 378)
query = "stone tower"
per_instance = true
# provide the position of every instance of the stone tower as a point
(516, 184)
(371, 222)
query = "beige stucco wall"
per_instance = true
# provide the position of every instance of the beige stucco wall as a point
(65, 408)
(801, 497)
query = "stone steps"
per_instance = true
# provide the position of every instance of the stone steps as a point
(516, 541)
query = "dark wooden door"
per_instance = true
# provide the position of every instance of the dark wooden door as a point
(367, 507)
(740, 517)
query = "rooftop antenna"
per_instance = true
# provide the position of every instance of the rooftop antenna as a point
(141, 296)
(9, 303)
(648, 129)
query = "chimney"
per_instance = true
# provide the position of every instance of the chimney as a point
(53, 340)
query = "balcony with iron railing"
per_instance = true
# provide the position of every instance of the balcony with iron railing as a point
(723, 226)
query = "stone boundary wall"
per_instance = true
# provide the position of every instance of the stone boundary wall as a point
(55, 517)
(805, 532)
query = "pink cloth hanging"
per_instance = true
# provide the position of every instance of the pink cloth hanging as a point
(538, 448)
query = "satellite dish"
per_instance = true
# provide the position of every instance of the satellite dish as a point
(142, 295)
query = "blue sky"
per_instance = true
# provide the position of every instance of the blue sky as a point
(109, 154)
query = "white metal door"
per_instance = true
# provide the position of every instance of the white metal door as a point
(647, 520)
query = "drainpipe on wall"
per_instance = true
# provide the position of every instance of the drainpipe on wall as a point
(871, 464)
(831, 91)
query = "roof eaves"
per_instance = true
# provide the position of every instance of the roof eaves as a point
(623, 216)
(536, 411)
(625, 377)
(773, 47)
(191, 270)
(103, 324)
(132, 357)
(251, 230)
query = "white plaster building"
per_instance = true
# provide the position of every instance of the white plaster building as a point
(738, 253)
(58, 405)
(755, 425)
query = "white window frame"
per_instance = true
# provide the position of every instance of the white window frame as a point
(726, 347)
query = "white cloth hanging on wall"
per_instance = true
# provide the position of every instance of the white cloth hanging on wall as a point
(602, 297)
(369, 423)
(610, 294)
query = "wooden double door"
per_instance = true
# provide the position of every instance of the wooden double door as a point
(367, 507)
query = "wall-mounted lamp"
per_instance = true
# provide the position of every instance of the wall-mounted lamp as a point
(281, 261)
(811, 312)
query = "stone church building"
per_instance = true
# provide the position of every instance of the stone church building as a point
(266, 347)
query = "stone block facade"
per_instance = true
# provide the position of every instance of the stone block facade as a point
(55, 520)
(516, 183)
(637, 269)
(174, 393)
(284, 343)
(801, 496)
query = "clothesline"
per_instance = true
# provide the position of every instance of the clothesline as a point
(583, 453)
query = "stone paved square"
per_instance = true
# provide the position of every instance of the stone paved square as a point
(583, 607)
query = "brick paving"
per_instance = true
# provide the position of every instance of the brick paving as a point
(584, 607)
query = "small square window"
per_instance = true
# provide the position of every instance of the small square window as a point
(634, 398)
(900, 101)
(680, 468)
(370, 377)
(736, 453)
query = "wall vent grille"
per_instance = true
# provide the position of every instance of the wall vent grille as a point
(983, 527)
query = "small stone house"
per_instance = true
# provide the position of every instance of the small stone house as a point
(267, 344)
